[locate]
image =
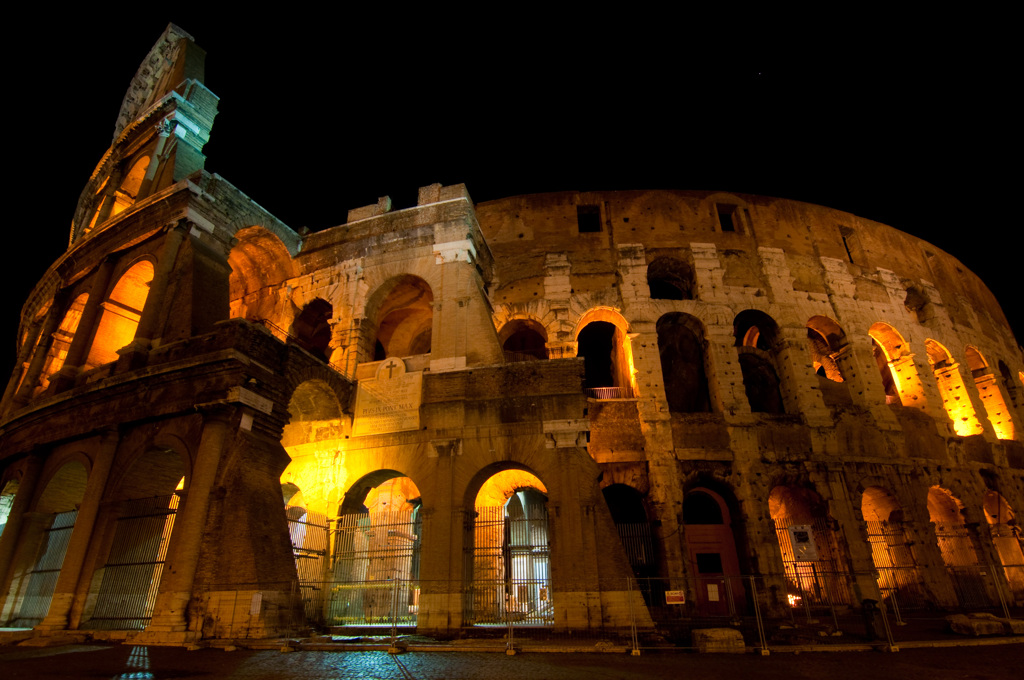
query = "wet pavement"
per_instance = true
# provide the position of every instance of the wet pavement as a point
(127, 662)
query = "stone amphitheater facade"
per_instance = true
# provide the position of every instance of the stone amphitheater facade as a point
(530, 405)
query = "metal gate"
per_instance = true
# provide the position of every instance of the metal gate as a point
(509, 560)
(131, 576)
(1006, 538)
(960, 556)
(898, 576)
(308, 534)
(823, 581)
(42, 579)
(376, 568)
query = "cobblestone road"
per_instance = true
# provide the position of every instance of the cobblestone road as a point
(997, 662)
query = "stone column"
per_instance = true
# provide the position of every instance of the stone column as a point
(798, 383)
(856, 362)
(853, 532)
(81, 535)
(169, 622)
(441, 564)
(12, 531)
(78, 352)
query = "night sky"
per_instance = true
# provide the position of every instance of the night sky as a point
(908, 124)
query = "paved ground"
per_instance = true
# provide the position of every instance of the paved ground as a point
(125, 662)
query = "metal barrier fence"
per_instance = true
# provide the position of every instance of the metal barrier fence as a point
(659, 614)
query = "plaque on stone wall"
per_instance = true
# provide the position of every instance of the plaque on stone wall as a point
(388, 402)
(801, 537)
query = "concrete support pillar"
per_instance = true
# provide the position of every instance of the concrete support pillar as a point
(78, 353)
(81, 535)
(170, 614)
(15, 520)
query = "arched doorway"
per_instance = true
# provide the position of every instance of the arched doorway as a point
(376, 559)
(45, 542)
(898, 577)
(634, 528)
(1006, 537)
(958, 547)
(712, 550)
(681, 347)
(812, 556)
(509, 553)
(144, 508)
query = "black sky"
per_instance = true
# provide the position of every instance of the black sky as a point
(909, 122)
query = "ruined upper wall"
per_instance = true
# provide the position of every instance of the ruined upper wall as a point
(521, 230)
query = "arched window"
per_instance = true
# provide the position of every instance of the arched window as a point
(681, 348)
(404, 319)
(825, 339)
(312, 328)
(128, 192)
(670, 279)
(122, 311)
(756, 336)
(991, 394)
(896, 365)
(523, 340)
(955, 400)
(958, 547)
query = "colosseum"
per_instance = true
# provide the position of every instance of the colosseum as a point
(573, 410)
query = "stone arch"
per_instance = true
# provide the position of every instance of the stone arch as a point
(260, 264)
(61, 342)
(1006, 538)
(128, 191)
(756, 337)
(825, 339)
(990, 392)
(523, 340)
(891, 550)
(602, 340)
(632, 518)
(312, 328)
(509, 543)
(670, 278)
(712, 548)
(372, 491)
(401, 312)
(682, 349)
(43, 542)
(958, 546)
(122, 311)
(808, 535)
(900, 379)
(955, 400)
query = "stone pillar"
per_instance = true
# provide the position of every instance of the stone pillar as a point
(78, 352)
(163, 132)
(71, 570)
(134, 355)
(856, 361)
(441, 563)
(12, 531)
(169, 622)
(798, 383)
(853, 532)
(725, 377)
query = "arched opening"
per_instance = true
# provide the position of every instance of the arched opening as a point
(509, 552)
(523, 340)
(312, 328)
(1006, 537)
(959, 548)
(61, 342)
(955, 400)
(713, 557)
(122, 311)
(128, 192)
(681, 348)
(139, 523)
(7, 494)
(1008, 383)
(40, 556)
(404, 319)
(670, 279)
(825, 339)
(990, 393)
(607, 355)
(756, 336)
(377, 553)
(634, 528)
(812, 555)
(307, 531)
(900, 380)
(898, 576)
(260, 263)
